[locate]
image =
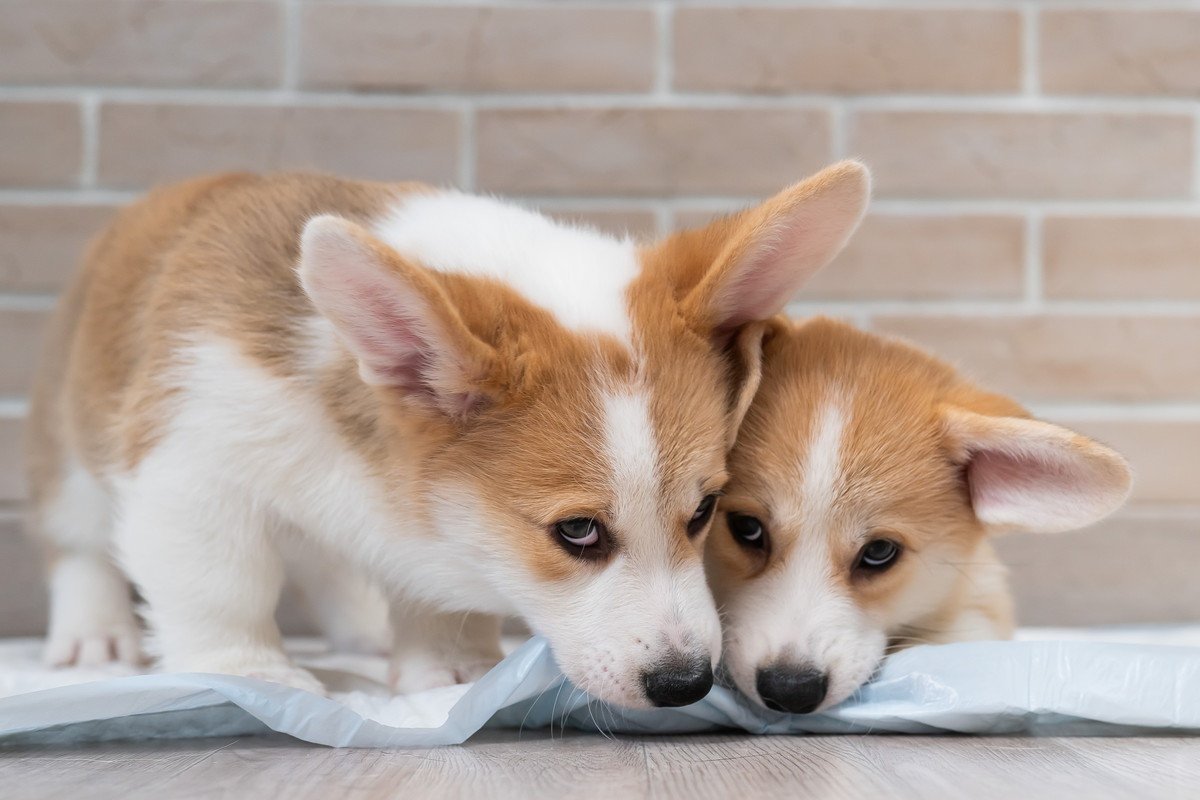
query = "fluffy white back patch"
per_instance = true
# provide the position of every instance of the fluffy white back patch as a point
(577, 274)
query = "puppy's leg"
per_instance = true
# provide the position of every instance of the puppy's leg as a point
(344, 605)
(91, 610)
(91, 613)
(433, 648)
(210, 573)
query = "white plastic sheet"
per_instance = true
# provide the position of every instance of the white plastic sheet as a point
(1059, 685)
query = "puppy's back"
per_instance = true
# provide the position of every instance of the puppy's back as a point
(214, 253)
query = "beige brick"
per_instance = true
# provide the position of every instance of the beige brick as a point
(846, 50)
(41, 246)
(1019, 155)
(21, 332)
(1067, 357)
(908, 257)
(1122, 258)
(649, 151)
(397, 48)
(12, 473)
(915, 257)
(1120, 52)
(42, 144)
(142, 144)
(141, 42)
(1163, 455)
(695, 216)
(1129, 569)
(22, 586)
(640, 223)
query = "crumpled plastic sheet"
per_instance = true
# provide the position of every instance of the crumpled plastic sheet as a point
(1059, 686)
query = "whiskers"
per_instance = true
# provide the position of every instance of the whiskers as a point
(561, 710)
(533, 705)
(603, 727)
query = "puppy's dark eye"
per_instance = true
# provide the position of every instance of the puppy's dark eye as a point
(702, 515)
(878, 555)
(747, 531)
(583, 537)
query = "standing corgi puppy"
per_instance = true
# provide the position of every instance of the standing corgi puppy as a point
(489, 412)
(866, 479)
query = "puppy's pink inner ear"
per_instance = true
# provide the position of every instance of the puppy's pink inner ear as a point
(1029, 475)
(764, 279)
(387, 321)
(1001, 481)
(776, 247)
(389, 334)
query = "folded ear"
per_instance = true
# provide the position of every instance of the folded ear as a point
(746, 351)
(762, 256)
(394, 317)
(1032, 476)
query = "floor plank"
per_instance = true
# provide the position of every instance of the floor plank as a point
(578, 766)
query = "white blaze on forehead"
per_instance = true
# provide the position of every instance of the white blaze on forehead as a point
(822, 464)
(578, 275)
(632, 451)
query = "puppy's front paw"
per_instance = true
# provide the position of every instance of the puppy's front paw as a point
(360, 644)
(93, 643)
(91, 615)
(261, 666)
(287, 675)
(418, 672)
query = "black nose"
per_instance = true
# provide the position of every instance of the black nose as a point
(792, 687)
(679, 680)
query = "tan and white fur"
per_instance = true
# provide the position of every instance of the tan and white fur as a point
(431, 388)
(855, 439)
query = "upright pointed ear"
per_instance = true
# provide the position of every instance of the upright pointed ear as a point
(765, 254)
(1032, 476)
(394, 317)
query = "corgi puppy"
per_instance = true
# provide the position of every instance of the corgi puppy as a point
(865, 482)
(488, 412)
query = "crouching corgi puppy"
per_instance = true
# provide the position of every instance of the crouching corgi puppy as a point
(488, 412)
(865, 481)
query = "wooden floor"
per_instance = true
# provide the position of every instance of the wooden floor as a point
(577, 767)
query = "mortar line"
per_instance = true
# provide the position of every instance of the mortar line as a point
(1030, 49)
(1033, 273)
(89, 116)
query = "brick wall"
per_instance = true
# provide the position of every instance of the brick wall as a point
(1038, 196)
